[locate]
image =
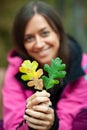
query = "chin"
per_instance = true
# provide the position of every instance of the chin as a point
(45, 62)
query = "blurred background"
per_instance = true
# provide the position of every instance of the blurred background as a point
(73, 14)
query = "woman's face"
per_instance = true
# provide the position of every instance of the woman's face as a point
(41, 42)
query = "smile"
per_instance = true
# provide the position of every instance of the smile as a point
(43, 52)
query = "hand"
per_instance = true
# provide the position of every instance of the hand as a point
(38, 98)
(40, 117)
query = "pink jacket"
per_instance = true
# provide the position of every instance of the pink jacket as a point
(14, 98)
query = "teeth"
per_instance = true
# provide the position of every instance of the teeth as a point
(40, 51)
(45, 49)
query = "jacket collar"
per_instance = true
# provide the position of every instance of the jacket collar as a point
(75, 70)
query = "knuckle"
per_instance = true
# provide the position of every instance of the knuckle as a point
(51, 117)
(36, 94)
(39, 115)
(37, 99)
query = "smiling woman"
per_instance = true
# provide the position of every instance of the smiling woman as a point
(42, 40)
(38, 35)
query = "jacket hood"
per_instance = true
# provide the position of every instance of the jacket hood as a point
(75, 70)
(14, 59)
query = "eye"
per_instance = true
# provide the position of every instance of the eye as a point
(45, 33)
(28, 38)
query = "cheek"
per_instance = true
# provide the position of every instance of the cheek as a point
(56, 42)
(28, 47)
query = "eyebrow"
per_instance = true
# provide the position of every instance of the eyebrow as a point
(42, 29)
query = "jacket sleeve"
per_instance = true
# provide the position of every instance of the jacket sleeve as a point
(80, 122)
(23, 126)
(14, 101)
(72, 101)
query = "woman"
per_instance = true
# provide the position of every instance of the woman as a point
(38, 34)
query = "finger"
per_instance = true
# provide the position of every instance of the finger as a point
(48, 103)
(35, 121)
(37, 101)
(43, 93)
(42, 124)
(43, 108)
(36, 127)
(35, 114)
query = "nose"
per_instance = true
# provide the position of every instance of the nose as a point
(39, 42)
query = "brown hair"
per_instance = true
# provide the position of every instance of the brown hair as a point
(52, 17)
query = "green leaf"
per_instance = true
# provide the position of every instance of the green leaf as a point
(55, 71)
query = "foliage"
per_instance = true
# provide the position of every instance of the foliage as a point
(31, 74)
(55, 71)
